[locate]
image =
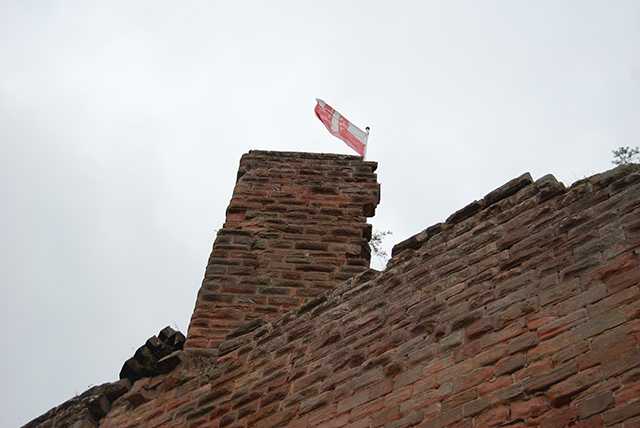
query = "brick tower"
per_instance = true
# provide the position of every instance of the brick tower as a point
(295, 227)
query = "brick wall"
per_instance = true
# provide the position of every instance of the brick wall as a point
(295, 228)
(522, 309)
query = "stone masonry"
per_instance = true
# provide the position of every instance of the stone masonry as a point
(522, 309)
(295, 228)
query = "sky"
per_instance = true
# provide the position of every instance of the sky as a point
(122, 124)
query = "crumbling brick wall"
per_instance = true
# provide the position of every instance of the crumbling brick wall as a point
(522, 309)
(295, 227)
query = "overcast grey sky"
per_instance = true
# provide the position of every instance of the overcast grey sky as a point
(122, 124)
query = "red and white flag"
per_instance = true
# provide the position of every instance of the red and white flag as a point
(340, 127)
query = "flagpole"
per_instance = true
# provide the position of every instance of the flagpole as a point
(366, 142)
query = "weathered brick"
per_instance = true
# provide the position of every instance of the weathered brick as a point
(561, 325)
(630, 393)
(594, 405)
(621, 413)
(564, 417)
(472, 379)
(522, 343)
(458, 399)
(399, 396)
(549, 347)
(543, 381)
(407, 378)
(509, 364)
(619, 299)
(386, 416)
(474, 407)
(409, 420)
(621, 363)
(506, 394)
(495, 417)
(529, 408)
(444, 419)
(494, 385)
(605, 352)
(597, 325)
(562, 393)
(353, 401)
(314, 403)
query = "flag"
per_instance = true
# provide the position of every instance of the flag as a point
(340, 127)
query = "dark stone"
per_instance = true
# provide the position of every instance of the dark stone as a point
(117, 389)
(154, 344)
(130, 369)
(99, 406)
(166, 334)
(246, 328)
(509, 189)
(171, 361)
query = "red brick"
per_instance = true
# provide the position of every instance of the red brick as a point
(491, 355)
(428, 400)
(562, 393)
(514, 330)
(398, 396)
(443, 420)
(619, 299)
(459, 399)
(408, 377)
(554, 328)
(321, 415)
(506, 394)
(571, 352)
(510, 364)
(407, 421)
(609, 385)
(632, 423)
(543, 381)
(466, 351)
(619, 414)
(337, 422)
(605, 352)
(534, 369)
(472, 379)
(480, 328)
(362, 423)
(617, 267)
(592, 294)
(366, 409)
(533, 407)
(594, 404)
(631, 376)
(559, 418)
(522, 343)
(550, 347)
(492, 418)
(592, 422)
(632, 312)
(351, 402)
(495, 385)
(386, 416)
(598, 324)
(474, 407)
(465, 423)
(382, 388)
(559, 292)
(628, 394)
(621, 363)
(451, 372)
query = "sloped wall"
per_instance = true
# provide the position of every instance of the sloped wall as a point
(296, 226)
(520, 310)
